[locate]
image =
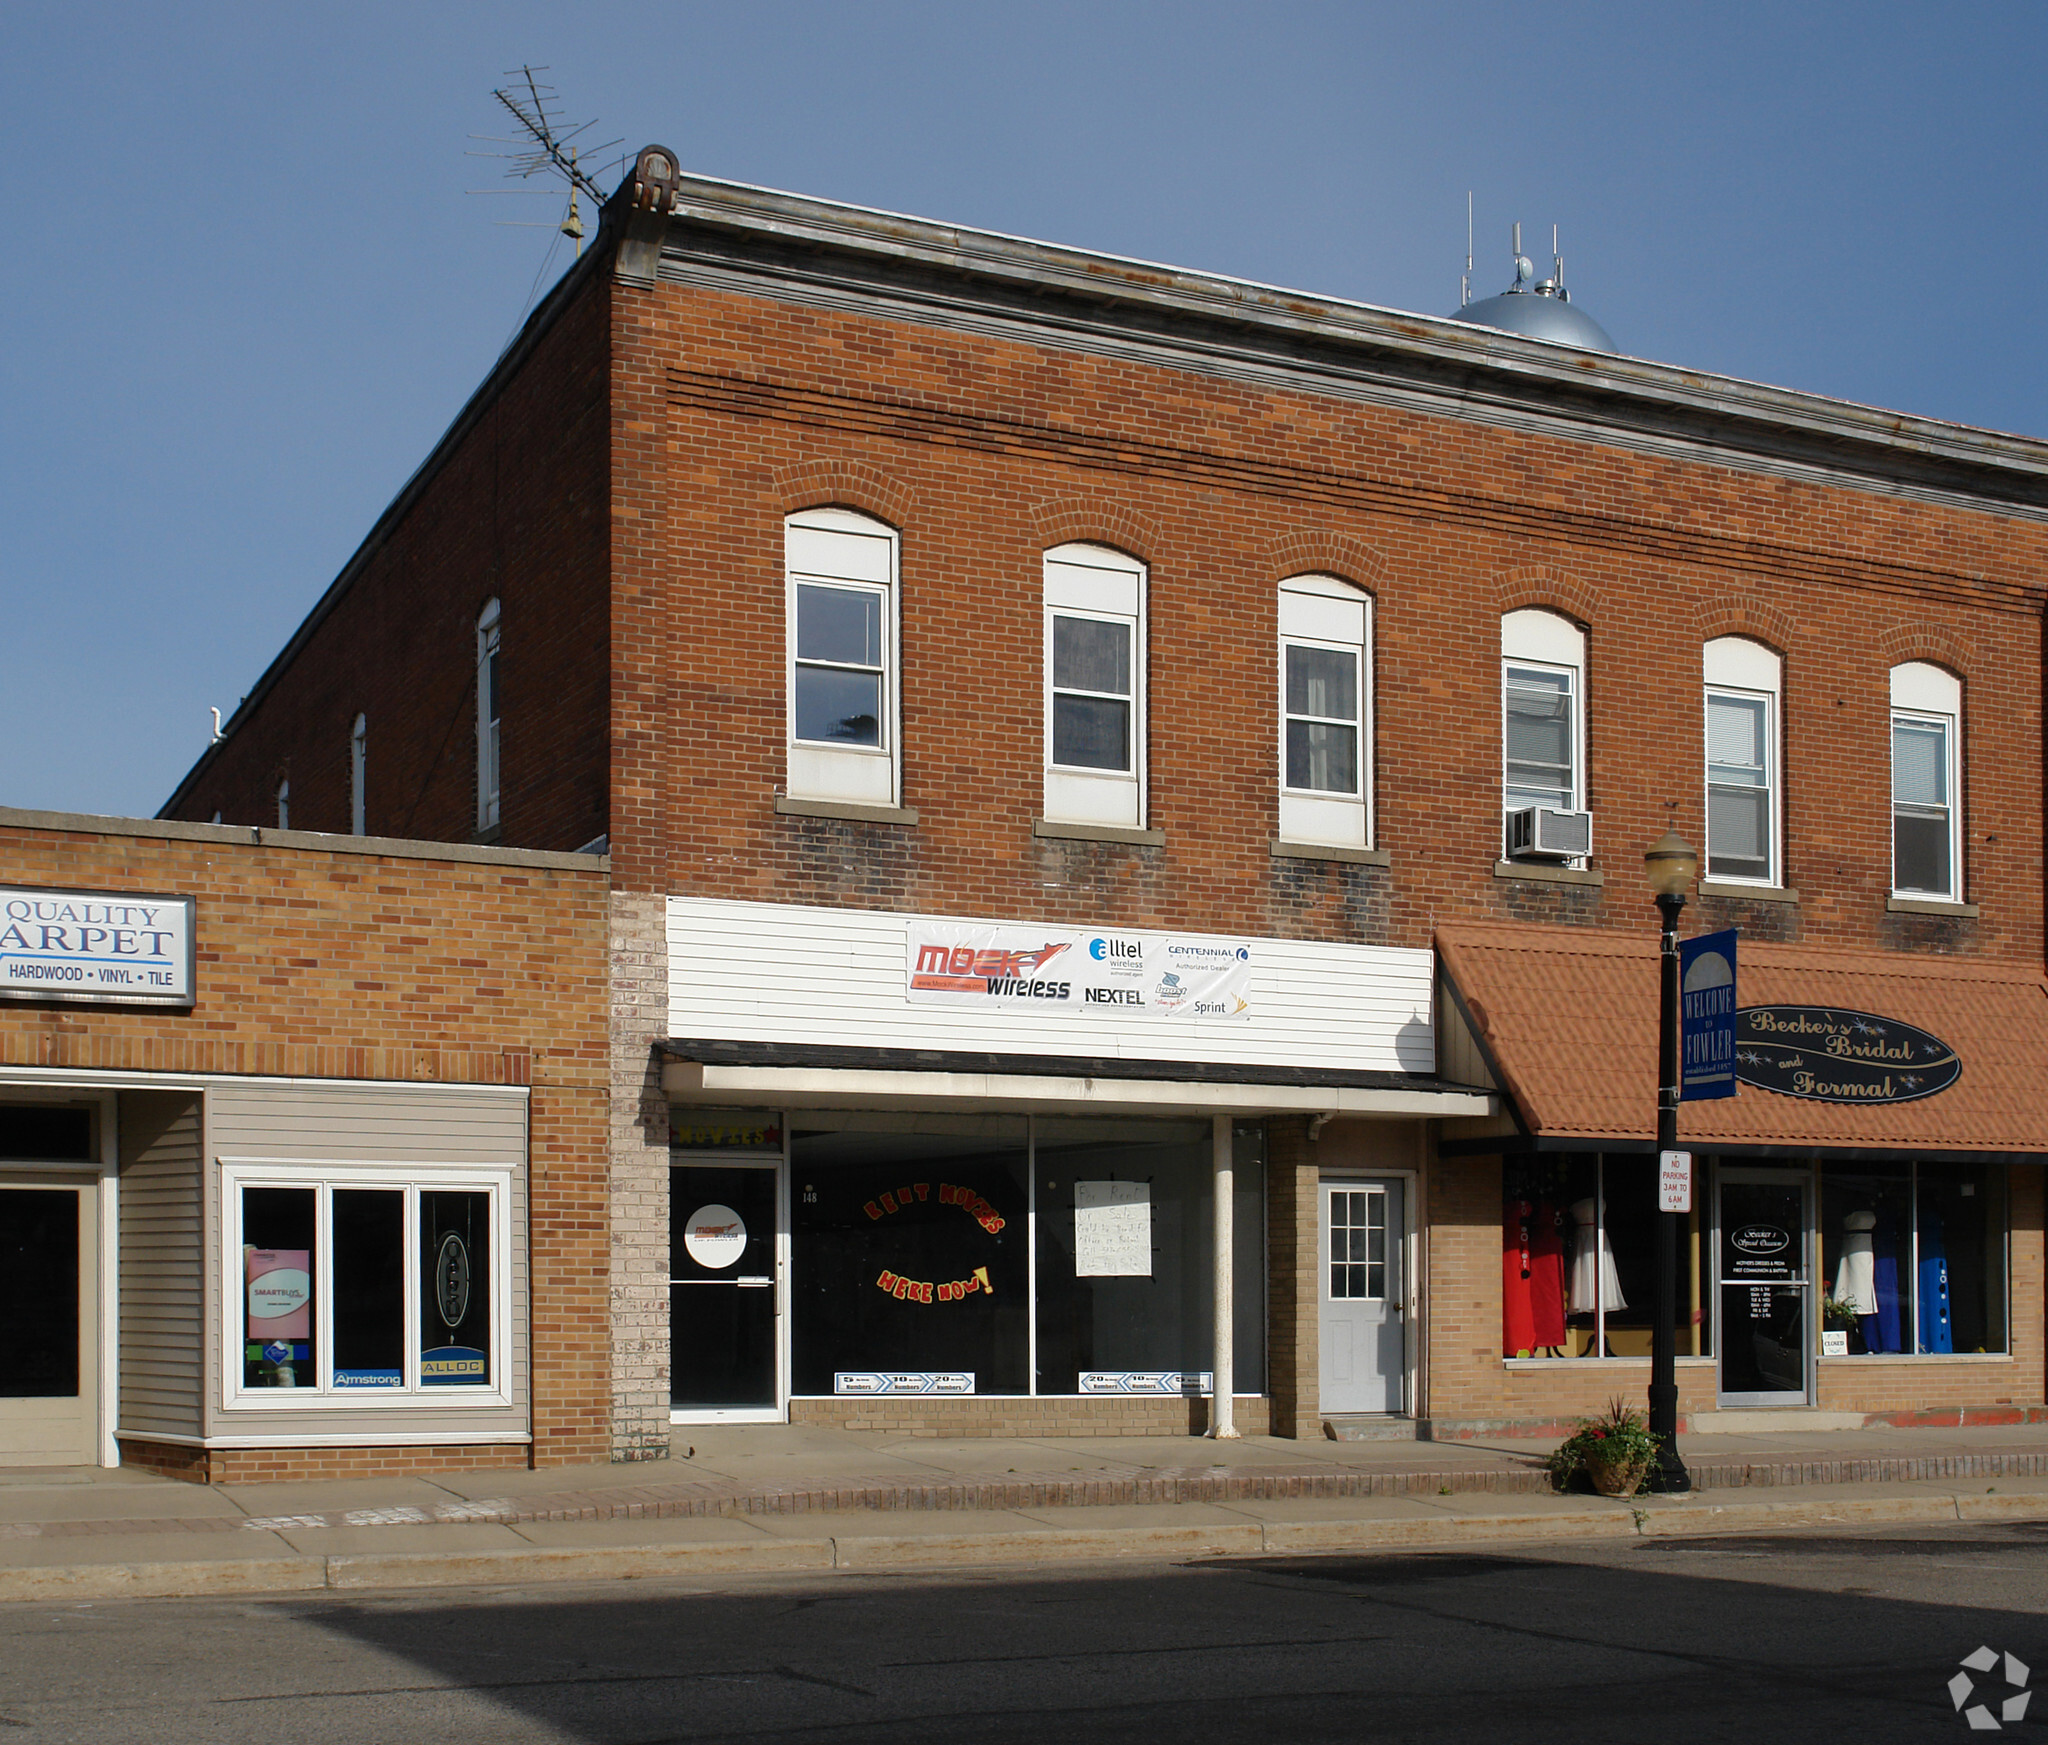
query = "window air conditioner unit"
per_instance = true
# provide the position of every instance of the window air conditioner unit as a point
(1548, 833)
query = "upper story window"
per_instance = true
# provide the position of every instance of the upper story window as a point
(487, 701)
(842, 610)
(284, 805)
(358, 776)
(1094, 686)
(1744, 680)
(1325, 712)
(1543, 733)
(1927, 719)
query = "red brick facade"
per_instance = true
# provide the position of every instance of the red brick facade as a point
(700, 411)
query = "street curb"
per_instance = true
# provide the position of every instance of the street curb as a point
(1645, 1518)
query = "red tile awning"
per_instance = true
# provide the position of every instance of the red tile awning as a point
(1569, 1018)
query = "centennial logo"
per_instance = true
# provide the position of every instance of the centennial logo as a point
(1962, 1689)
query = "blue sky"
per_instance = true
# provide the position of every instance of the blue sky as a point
(246, 289)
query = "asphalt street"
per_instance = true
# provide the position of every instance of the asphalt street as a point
(1849, 1635)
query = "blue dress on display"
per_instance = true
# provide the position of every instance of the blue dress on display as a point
(1886, 1250)
(1935, 1334)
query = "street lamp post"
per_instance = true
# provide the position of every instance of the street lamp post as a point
(1672, 867)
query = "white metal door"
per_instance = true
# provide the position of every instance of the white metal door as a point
(49, 1322)
(1364, 1330)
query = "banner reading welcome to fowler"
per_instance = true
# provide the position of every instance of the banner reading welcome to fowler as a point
(1110, 974)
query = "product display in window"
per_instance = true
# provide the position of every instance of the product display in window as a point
(1595, 1282)
(1916, 1257)
(1532, 1279)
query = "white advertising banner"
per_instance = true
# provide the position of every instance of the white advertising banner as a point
(1035, 970)
(100, 946)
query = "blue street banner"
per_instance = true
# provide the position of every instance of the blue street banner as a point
(1706, 1017)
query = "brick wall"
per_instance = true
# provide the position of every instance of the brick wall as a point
(639, 1179)
(319, 961)
(1293, 1296)
(730, 412)
(513, 509)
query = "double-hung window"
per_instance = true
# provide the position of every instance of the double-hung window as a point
(487, 770)
(1543, 661)
(1743, 684)
(1094, 686)
(1325, 712)
(348, 1284)
(841, 576)
(1927, 713)
(358, 777)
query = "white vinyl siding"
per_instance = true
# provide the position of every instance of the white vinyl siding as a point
(1743, 735)
(841, 663)
(161, 1265)
(1325, 712)
(781, 972)
(1927, 827)
(1094, 686)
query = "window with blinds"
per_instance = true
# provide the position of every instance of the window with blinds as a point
(1740, 788)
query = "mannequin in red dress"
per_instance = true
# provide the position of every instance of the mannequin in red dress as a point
(1546, 1277)
(1518, 1235)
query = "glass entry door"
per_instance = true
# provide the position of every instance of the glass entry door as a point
(1363, 1334)
(723, 1304)
(49, 1322)
(1766, 1288)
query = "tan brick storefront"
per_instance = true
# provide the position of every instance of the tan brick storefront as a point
(374, 1014)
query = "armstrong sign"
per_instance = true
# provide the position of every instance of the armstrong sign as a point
(1830, 1055)
(100, 946)
(1110, 973)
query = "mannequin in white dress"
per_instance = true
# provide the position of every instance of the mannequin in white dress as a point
(1856, 1271)
(1591, 1266)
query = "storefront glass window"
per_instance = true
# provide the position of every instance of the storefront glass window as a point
(277, 1278)
(1126, 1254)
(327, 1302)
(369, 1288)
(1913, 1258)
(455, 1289)
(1578, 1259)
(910, 1249)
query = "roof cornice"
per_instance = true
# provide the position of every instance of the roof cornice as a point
(788, 244)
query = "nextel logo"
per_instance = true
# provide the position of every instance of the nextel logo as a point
(1112, 997)
(1105, 950)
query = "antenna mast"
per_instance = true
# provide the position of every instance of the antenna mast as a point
(549, 146)
(1465, 284)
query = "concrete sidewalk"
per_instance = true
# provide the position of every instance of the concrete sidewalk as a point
(789, 1497)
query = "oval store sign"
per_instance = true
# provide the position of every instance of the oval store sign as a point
(1827, 1054)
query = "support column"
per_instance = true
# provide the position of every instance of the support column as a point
(1222, 1139)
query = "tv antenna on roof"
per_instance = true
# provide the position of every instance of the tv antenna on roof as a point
(549, 146)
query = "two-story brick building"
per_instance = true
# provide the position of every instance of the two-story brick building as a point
(1125, 793)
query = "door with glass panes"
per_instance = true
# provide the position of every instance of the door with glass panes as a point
(49, 1321)
(1766, 1327)
(724, 1308)
(1363, 1328)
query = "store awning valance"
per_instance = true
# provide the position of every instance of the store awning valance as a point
(1567, 1018)
(837, 1075)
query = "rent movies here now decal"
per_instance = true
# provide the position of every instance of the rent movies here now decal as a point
(1109, 973)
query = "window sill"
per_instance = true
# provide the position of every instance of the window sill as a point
(1052, 827)
(1736, 891)
(488, 837)
(1330, 851)
(1921, 1357)
(1930, 906)
(1539, 872)
(792, 808)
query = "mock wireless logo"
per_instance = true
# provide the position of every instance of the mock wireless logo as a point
(1962, 1688)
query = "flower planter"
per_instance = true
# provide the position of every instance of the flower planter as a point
(1617, 1478)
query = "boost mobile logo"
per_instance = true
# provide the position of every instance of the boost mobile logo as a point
(1962, 1688)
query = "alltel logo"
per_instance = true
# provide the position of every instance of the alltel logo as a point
(1109, 950)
